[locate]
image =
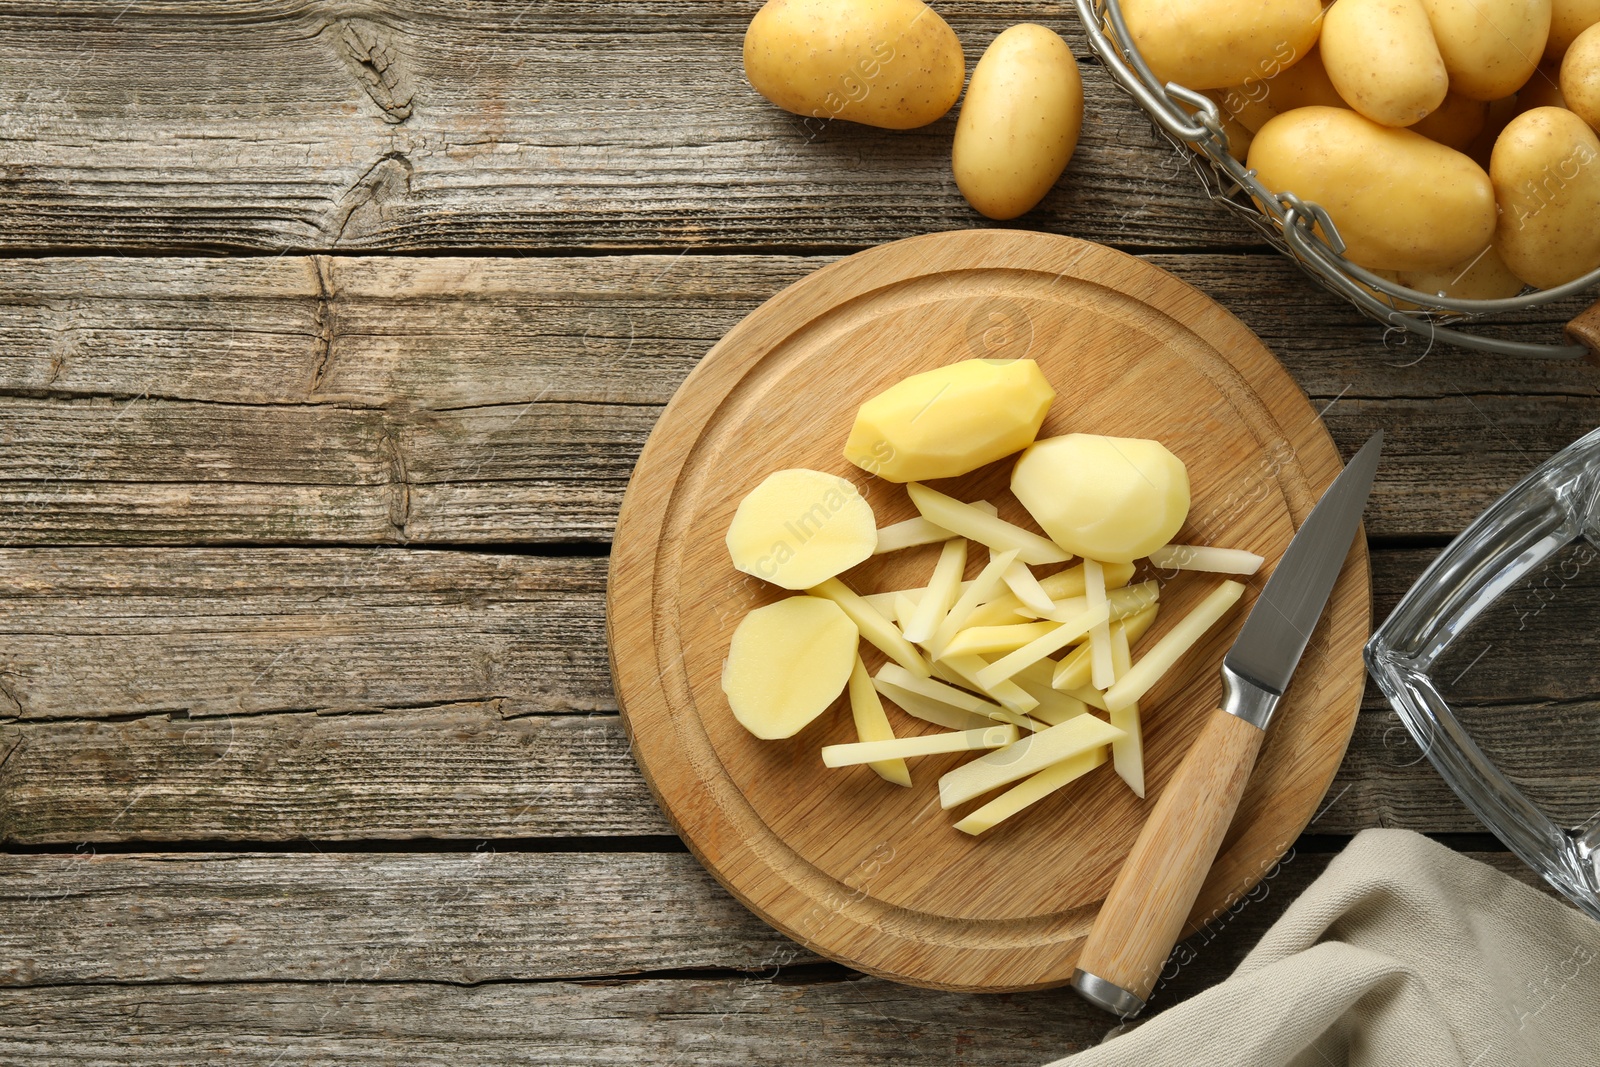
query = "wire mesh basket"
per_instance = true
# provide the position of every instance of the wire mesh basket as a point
(1193, 123)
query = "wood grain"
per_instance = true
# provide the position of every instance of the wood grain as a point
(110, 765)
(403, 126)
(780, 390)
(459, 918)
(482, 401)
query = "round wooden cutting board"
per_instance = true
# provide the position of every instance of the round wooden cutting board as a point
(871, 874)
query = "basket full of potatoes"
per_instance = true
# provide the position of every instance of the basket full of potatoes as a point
(1433, 161)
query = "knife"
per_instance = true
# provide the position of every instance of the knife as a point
(1144, 913)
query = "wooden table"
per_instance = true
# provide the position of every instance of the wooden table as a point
(328, 337)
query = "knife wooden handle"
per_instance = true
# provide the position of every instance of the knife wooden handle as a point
(1144, 913)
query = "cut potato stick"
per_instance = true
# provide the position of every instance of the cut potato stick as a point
(982, 527)
(1072, 673)
(1069, 582)
(850, 755)
(1127, 753)
(882, 603)
(1128, 600)
(1073, 670)
(904, 609)
(982, 588)
(1032, 753)
(920, 707)
(1101, 673)
(909, 534)
(877, 630)
(1089, 695)
(930, 689)
(1010, 696)
(1036, 650)
(1026, 588)
(1173, 644)
(873, 725)
(1206, 558)
(984, 640)
(943, 588)
(1002, 611)
(1055, 707)
(1027, 793)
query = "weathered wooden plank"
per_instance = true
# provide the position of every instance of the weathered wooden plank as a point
(579, 124)
(483, 401)
(714, 1022)
(145, 682)
(220, 632)
(366, 917)
(432, 917)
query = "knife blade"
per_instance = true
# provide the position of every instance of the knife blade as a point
(1144, 912)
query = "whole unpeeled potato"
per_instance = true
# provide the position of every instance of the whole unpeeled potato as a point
(1457, 122)
(1214, 44)
(1382, 59)
(1485, 277)
(1490, 47)
(1400, 201)
(1019, 123)
(889, 63)
(1568, 18)
(1580, 78)
(1546, 171)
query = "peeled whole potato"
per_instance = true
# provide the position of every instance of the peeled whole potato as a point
(800, 527)
(1546, 170)
(1382, 59)
(1113, 499)
(1484, 277)
(1019, 123)
(1214, 44)
(1490, 47)
(1400, 201)
(889, 63)
(1456, 123)
(951, 420)
(1568, 18)
(1580, 78)
(786, 663)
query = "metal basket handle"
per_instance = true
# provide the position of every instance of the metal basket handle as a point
(1191, 120)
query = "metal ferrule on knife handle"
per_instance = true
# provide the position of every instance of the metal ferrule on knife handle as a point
(1249, 700)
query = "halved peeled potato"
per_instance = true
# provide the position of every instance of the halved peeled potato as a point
(800, 527)
(949, 421)
(1114, 499)
(787, 662)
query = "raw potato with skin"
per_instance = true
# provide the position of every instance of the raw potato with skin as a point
(1485, 277)
(1456, 123)
(1213, 44)
(1490, 47)
(1400, 201)
(1580, 79)
(1019, 123)
(1382, 59)
(889, 63)
(1568, 18)
(1546, 170)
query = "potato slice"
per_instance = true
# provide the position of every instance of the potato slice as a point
(800, 527)
(877, 630)
(1024, 794)
(1114, 499)
(873, 725)
(951, 420)
(924, 745)
(786, 663)
(1033, 752)
(1173, 644)
(986, 529)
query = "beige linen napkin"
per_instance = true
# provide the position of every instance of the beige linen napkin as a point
(1402, 953)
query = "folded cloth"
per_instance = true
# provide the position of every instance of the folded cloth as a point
(1402, 953)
